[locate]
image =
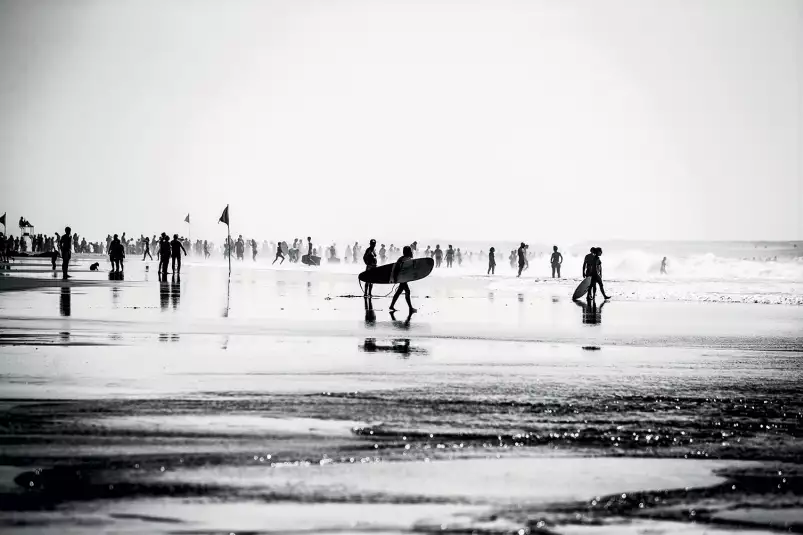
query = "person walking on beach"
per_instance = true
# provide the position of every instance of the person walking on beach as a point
(147, 248)
(279, 254)
(370, 263)
(253, 249)
(592, 267)
(175, 252)
(663, 266)
(556, 260)
(65, 244)
(449, 256)
(116, 254)
(206, 250)
(407, 254)
(522, 252)
(438, 254)
(491, 262)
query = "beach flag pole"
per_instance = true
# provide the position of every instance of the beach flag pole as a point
(224, 218)
(189, 229)
(3, 221)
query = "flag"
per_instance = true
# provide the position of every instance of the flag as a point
(3, 219)
(225, 217)
(187, 219)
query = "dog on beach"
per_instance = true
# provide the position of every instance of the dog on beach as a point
(94, 267)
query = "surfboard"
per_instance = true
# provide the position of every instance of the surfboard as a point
(582, 288)
(311, 261)
(411, 270)
(284, 248)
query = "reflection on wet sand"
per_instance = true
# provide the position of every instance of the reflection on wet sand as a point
(397, 345)
(370, 315)
(175, 291)
(592, 314)
(65, 306)
(403, 325)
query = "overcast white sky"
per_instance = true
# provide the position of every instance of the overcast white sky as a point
(596, 119)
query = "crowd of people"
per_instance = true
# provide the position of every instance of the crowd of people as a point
(169, 251)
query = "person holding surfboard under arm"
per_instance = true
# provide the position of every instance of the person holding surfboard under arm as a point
(407, 254)
(370, 263)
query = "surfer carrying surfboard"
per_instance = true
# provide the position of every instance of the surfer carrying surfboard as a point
(407, 254)
(370, 263)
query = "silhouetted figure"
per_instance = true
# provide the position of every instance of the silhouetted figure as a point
(491, 262)
(65, 242)
(206, 250)
(253, 250)
(592, 267)
(428, 252)
(522, 253)
(407, 254)
(146, 247)
(347, 255)
(438, 254)
(164, 253)
(239, 247)
(370, 263)
(459, 256)
(116, 254)
(309, 248)
(556, 260)
(449, 256)
(279, 254)
(356, 251)
(663, 266)
(175, 253)
(382, 254)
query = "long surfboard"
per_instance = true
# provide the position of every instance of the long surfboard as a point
(410, 270)
(582, 289)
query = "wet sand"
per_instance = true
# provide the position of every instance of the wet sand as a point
(276, 402)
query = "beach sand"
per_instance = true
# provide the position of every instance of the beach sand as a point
(275, 401)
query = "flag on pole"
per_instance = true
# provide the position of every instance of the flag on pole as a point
(225, 217)
(3, 219)
(187, 219)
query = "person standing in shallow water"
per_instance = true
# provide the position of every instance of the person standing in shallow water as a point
(253, 249)
(449, 256)
(556, 260)
(407, 254)
(116, 254)
(438, 254)
(65, 244)
(663, 266)
(370, 263)
(592, 267)
(491, 262)
(522, 252)
(175, 252)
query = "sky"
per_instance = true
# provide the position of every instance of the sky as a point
(532, 120)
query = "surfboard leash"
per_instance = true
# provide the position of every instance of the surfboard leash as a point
(393, 289)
